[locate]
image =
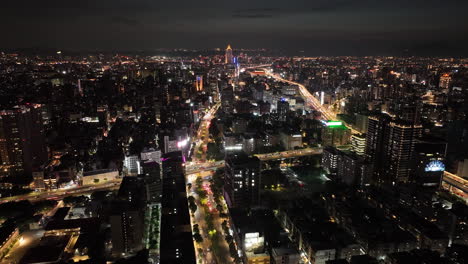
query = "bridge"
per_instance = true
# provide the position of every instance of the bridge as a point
(197, 167)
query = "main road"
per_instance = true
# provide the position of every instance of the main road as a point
(306, 95)
(310, 99)
(60, 193)
(195, 169)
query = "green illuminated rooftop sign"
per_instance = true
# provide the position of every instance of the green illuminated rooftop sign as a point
(333, 123)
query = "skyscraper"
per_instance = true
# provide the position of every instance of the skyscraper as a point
(400, 141)
(22, 140)
(375, 141)
(242, 182)
(228, 58)
(199, 83)
(390, 148)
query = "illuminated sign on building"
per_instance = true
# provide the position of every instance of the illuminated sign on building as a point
(333, 123)
(435, 165)
(182, 143)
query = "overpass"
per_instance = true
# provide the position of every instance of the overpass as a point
(194, 167)
(60, 193)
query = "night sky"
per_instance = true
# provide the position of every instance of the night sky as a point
(319, 27)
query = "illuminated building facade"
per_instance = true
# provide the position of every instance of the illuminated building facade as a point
(199, 83)
(444, 83)
(358, 144)
(228, 57)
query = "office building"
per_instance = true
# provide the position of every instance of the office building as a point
(242, 180)
(132, 165)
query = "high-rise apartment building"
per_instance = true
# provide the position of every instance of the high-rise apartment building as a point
(22, 140)
(375, 141)
(242, 180)
(390, 148)
(358, 144)
(400, 141)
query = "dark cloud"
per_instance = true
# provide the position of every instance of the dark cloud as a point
(329, 26)
(125, 21)
(256, 13)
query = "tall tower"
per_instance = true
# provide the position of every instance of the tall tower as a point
(228, 58)
(400, 140)
(375, 142)
(199, 83)
(444, 83)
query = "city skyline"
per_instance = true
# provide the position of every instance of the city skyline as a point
(240, 132)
